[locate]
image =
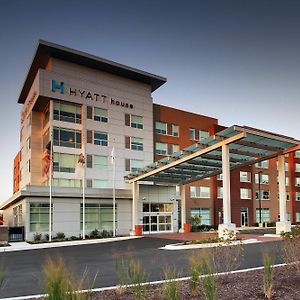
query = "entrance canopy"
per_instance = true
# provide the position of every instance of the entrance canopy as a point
(204, 159)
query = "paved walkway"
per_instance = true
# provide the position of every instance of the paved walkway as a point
(20, 246)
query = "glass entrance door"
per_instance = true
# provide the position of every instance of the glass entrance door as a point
(244, 216)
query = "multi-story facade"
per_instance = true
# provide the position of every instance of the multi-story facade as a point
(81, 104)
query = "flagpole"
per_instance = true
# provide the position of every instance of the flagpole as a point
(83, 178)
(114, 192)
(50, 169)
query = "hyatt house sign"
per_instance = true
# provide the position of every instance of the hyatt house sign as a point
(87, 95)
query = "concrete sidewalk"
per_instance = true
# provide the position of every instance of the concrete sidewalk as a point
(21, 246)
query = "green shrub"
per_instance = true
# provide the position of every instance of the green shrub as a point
(94, 234)
(37, 237)
(59, 236)
(268, 276)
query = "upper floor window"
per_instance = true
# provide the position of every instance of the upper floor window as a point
(136, 143)
(136, 165)
(175, 148)
(100, 183)
(245, 193)
(63, 162)
(264, 195)
(199, 192)
(161, 127)
(175, 130)
(297, 154)
(100, 162)
(100, 114)
(192, 134)
(264, 178)
(67, 112)
(245, 176)
(297, 196)
(100, 138)
(136, 121)
(262, 164)
(161, 148)
(297, 167)
(219, 192)
(66, 137)
(203, 134)
(297, 181)
(220, 176)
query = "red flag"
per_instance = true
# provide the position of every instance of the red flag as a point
(47, 160)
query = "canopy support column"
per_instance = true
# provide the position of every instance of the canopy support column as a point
(227, 230)
(283, 225)
(184, 226)
(137, 229)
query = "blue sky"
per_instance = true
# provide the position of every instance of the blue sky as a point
(237, 61)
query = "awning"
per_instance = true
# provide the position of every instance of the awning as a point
(247, 146)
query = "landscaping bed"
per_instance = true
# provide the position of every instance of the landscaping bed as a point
(245, 285)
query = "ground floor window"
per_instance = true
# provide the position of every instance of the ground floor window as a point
(18, 219)
(98, 216)
(203, 214)
(265, 215)
(39, 217)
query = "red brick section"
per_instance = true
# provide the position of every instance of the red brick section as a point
(297, 189)
(16, 183)
(292, 184)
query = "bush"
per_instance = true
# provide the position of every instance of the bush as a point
(268, 276)
(199, 228)
(59, 236)
(94, 234)
(37, 237)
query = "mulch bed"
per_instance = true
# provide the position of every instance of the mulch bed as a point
(246, 285)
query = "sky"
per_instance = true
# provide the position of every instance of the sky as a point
(235, 60)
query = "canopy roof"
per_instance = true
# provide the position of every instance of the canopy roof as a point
(246, 146)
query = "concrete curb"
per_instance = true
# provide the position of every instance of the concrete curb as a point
(181, 246)
(23, 246)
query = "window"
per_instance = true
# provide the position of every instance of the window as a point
(136, 144)
(63, 162)
(245, 176)
(297, 196)
(100, 138)
(136, 165)
(297, 154)
(264, 178)
(100, 114)
(262, 164)
(98, 216)
(39, 217)
(203, 134)
(287, 181)
(161, 127)
(100, 162)
(18, 216)
(62, 182)
(297, 167)
(67, 112)
(220, 176)
(264, 195)
(203, 214)
(219, 192)
(192, 133)
(286, 166)
(136, 121)
(100, 183)
(297, 181)
(245, 193)
(175, 148)
(161, 148)
(177, 190)
(265, 215)
(175, 130)
(297, 216)
(199, 192)
(66, 137)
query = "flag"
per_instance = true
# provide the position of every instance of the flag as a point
(112, 156)
(80, 166)
(47, 160)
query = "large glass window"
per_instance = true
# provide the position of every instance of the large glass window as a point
(265, 215)
(39, 217)
(100, 183)
(100, 138)
(161, 148)
(100, 114)
(203, 214)
(100, 162)
(199, 191)
(98, 216)
(67, 112)
(136, 143)
(136, 121)
(161, 127)
(66, 137)
(245, 193)
(63, 162)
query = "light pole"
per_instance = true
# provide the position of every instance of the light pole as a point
(259, 195)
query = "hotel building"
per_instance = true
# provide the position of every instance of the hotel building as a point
(88, 105)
